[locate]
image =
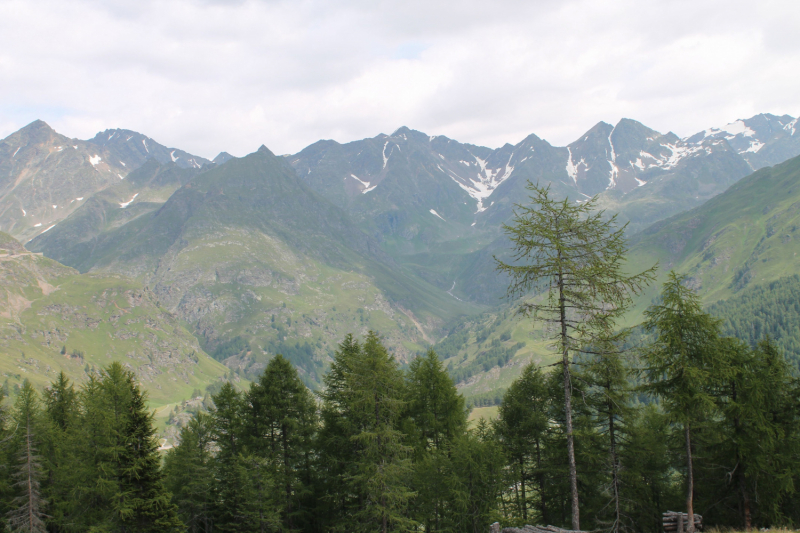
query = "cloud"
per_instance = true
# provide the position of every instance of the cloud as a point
(208, 76)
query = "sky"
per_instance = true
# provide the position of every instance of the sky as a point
(228, 75)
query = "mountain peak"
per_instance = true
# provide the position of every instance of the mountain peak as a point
(37, 127)
(222, 157)
(264, 150)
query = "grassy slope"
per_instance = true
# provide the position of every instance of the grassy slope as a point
(98, 319)
(745, 236)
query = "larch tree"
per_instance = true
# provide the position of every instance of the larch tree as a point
(682, 363)
(569, 258)
(27, 508)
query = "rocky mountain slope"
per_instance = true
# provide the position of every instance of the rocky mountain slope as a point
(52, 318)
(45, 176)
(255, 262)
(437, 205)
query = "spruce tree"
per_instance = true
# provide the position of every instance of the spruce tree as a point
(683, 363)
(574, 255)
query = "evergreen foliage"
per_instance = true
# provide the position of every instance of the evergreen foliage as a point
(772, 309)
(386, 449)
(683, 364)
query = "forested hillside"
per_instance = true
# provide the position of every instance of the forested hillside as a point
(767, 309)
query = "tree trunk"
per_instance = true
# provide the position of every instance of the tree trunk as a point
(689, 480)
(614, 470)
(287, 478)
(742, 480)
(540, 476)
(522, 483)
(748, 521)
(573, 471)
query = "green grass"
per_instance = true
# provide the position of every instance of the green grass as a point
(96, 320)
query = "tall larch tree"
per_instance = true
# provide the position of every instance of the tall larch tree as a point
(568, 260)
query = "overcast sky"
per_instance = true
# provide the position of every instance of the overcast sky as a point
(208, 76)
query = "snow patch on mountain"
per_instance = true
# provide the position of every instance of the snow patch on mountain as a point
(572, 167)
(123, 205)
(434, 213)
(172, 156)
(366, 188)
(791, 126)
(614, 172)
(94, 160)
(755, 146)
(733, 129)
(679, 152)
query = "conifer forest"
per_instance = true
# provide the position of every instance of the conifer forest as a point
(672, 414)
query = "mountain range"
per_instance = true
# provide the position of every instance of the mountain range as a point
(262, 254)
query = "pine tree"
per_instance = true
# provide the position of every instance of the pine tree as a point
(279, 425)
(475, 480)
(27, 508)
(384, 464)
(648, 473)
(337, 454)
(188, 474)
(757, 439)
(683, 363)
(94, 480)
(522, 425)
(230, 475)
(58, 450)
(575, 257)
(434, 406)
(435, 415)
(363, 446)
(142, 503)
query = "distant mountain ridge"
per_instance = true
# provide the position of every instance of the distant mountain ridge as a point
(265, 254)
(45, 176)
